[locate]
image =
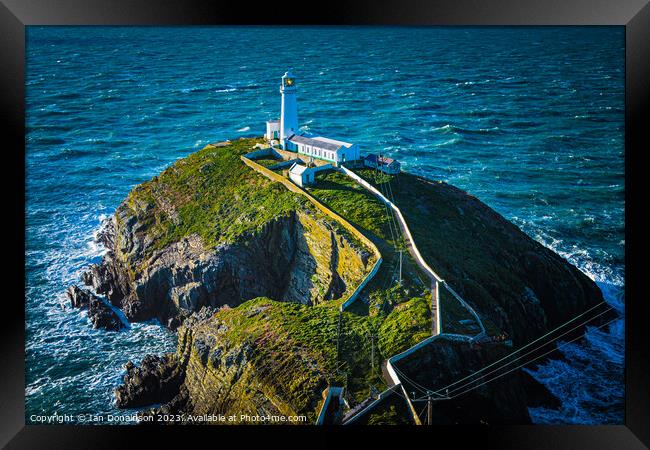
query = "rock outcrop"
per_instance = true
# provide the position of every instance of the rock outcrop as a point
(444, 361)
(299, 258)
(156, 380)
(516, 284)
(245, 270)
(237, 362)
(100, 314)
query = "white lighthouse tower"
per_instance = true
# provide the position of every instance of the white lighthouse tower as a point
(289, 110)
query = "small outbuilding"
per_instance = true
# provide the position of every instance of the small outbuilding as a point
(383, 163)
(272, 129)
(302, 175)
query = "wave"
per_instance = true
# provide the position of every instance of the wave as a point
(47, 128)
(597, 359)
(52, 112)
(524, 124)
(68, 153)
(448, 128)
(249, 87)
(49, 140)
(452, 141)
(67, 95)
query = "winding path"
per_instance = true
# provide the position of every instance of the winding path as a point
(436, 280)
(388, 369)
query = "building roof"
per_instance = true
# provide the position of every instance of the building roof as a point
(333, 141)
(273, 121)
(383, 160)
(298, 169)
(314, 142)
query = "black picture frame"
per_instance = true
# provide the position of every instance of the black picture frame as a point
(634, 15)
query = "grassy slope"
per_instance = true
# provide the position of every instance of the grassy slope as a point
(365, 211)
(268, 162)
(282, 332)
(448, 240)
(405, 322)
(184, 199)
(372, 218)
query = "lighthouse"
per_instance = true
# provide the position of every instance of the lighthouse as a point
(289, 109)
(307, 146)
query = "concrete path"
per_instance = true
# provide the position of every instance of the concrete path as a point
(436, 280)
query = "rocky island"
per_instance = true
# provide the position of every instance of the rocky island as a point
(252, 277)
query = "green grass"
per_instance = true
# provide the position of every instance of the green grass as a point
(282, 331)
(373, 219)
(211, 193)
(450, 235)
(408, 324)
(268, 162)
(353, 202)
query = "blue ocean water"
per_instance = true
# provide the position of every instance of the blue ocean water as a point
(530, 120)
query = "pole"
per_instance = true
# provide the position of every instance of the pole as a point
(400, 267)
(435, 314)
(338, 338)
(438, 310)
(429, 410)
(372, 353)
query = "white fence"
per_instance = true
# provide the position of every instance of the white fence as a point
(416, 252)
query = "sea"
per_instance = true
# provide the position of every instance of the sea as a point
(528, 119)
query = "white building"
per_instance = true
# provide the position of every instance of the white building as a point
(320, 147)
(301, 175)
(272, 129)
(286, 130)
(383, 163)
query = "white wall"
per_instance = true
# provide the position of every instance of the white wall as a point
(296, 178)
(288, 113)
(271, 128)
(351, 153)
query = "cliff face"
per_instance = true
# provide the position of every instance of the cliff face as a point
(299, 257)
(445, 361)
(255, 359)
(246, 271)
(515, 284)
(209, 231)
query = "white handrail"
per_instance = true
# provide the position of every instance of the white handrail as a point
(414, 248)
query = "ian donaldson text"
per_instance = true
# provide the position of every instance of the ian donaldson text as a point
(57, 418)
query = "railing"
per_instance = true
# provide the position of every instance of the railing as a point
(416, 254)
(437, 331)
(332, 391)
